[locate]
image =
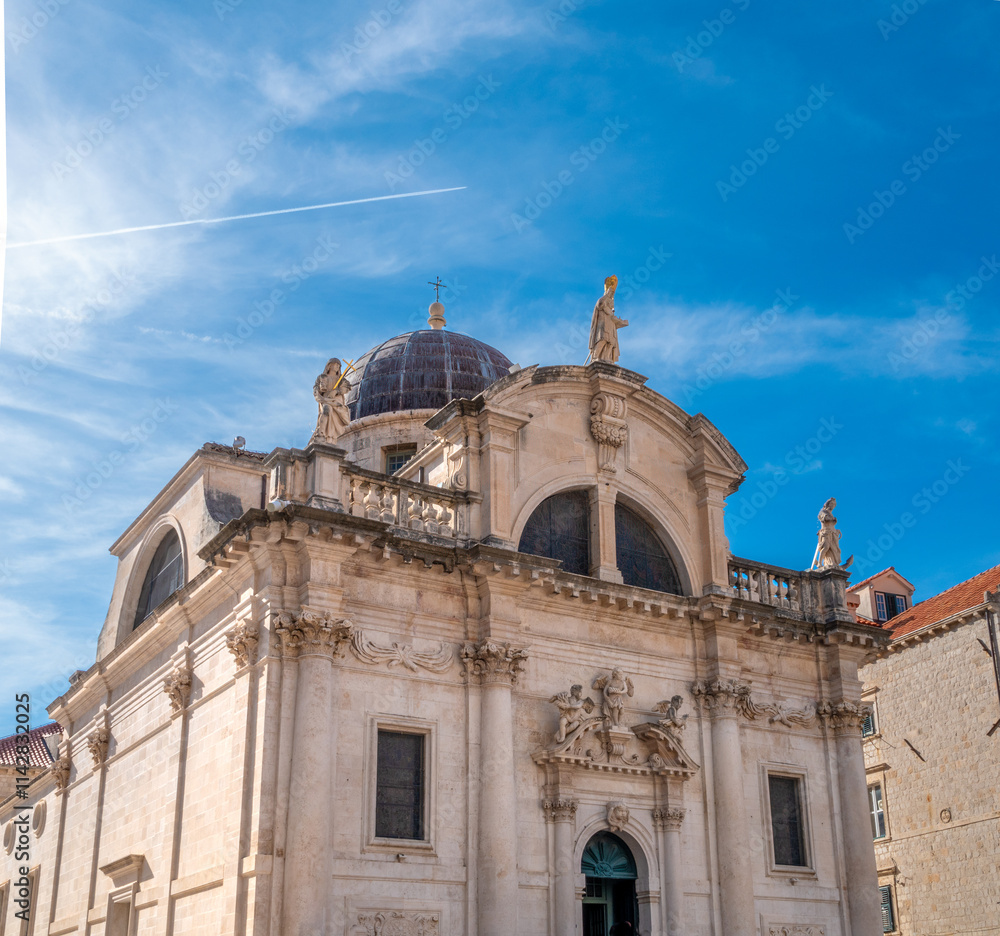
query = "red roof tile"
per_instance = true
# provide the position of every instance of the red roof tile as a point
(40, 756)
(875, 576)
(958, 598)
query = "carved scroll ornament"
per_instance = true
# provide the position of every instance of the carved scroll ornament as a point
(397, 654)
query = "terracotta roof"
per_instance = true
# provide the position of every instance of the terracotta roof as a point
(864, 620)
(960, 597)
(40, 756)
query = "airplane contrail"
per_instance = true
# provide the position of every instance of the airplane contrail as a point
(255, 214)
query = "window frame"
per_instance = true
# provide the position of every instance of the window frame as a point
(140, 566)
(872, 700)
(794, 772)
(4, 900)
(390, 450)
(405, 725)
(881, 811)
(29, 927)
(883, 600)
(887, 891)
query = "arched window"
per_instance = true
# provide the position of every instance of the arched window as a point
(642, 559)
(163, 577)
(560, 529)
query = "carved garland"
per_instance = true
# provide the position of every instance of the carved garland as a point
(731, 696)
(392, 923)
(397, 654)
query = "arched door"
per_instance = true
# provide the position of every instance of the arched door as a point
(610, 895)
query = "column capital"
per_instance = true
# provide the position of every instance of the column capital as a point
(242, 639)
(494, 663)
(560, 810)
(310, 633)
(721, 697)
(844, 716)
(668, 819)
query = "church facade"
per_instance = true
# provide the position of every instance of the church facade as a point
(477, 660)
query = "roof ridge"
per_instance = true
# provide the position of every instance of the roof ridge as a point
(956, 585)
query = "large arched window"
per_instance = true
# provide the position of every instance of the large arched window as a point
(560, 529)
(642, 559)
(163, 577)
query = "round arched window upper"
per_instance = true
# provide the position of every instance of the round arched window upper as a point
(642, 559)
(163, 577)
(559, 528)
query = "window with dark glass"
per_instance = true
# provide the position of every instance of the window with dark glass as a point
(560, 529)
(877, 809)
(888, 917)
(398, 456)
(787, 832)
(399, 786)
(642, 559)
(163, 577)
(887, 605)
(868, 725)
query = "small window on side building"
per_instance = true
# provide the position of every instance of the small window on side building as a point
(888, 915)
(868, 725)
(877, 809)
(399, 786)
(787, 821)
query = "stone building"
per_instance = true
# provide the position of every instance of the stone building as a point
(932, 756)
(42, 746)
(477, 660)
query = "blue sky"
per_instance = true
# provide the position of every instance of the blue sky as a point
(804, 199)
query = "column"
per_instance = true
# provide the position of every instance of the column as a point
(312, 639)
(562, 813)
(603, 559)
(668, 822)
(720, 696)
(861, 875)
(496, 667)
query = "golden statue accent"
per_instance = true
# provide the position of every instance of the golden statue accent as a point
(604, 326)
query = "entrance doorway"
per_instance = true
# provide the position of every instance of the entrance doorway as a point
(610, 895)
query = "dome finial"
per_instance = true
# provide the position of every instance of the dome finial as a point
(436, 319)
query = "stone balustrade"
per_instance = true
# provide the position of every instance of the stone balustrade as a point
(765, 584)
(406, 504)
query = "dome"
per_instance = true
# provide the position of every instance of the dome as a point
(422, 370)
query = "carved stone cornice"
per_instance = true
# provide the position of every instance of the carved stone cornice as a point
(242, 642)
(844, 716)
(311, 633)
(560, 810)
(721, 697)
(494, 663)
(97, 744)
(177, 686)
(669, 819)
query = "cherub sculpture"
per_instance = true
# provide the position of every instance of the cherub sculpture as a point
(604, 325)
(615, 687)
(573, 709)
(330, 390)
(669, 711)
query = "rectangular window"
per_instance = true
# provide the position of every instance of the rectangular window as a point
(787, 830)
(887, 606)
(868, 725)
(880, 608)
(877, 809)
(28, 926)
(399, 785)
(888, 917)
(396, 457)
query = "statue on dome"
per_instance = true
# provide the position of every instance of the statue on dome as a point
(330, 391)
(604, 325)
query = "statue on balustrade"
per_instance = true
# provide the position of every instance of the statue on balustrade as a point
(827, 555)
(330, 391)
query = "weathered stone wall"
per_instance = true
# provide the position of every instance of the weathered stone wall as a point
(943, 804)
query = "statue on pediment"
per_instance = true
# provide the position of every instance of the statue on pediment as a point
(604, 325)
(573, 711)
(615, 687)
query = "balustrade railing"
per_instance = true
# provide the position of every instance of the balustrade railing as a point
(406, 504)
(765, 584)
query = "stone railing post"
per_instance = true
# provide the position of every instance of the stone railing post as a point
(495, 667)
